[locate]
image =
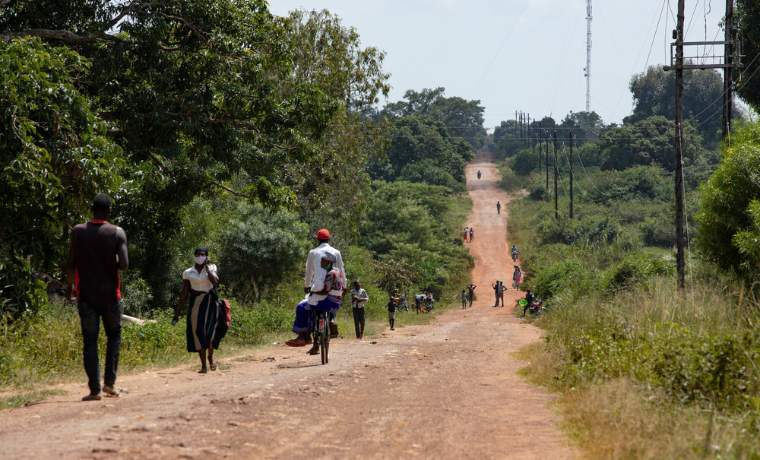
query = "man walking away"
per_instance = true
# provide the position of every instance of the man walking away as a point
(391, 306)
(498, 208)
(97, 252)
(358, 297)
(471, 293)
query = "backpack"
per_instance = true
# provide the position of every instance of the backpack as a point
(224, 310)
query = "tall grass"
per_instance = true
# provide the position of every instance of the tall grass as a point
(644, 371)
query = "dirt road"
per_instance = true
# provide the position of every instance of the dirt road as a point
(447, 390)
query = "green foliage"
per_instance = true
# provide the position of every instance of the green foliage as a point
(463, 119)
(525, 161)
(726, 198)
(591, 230)
(747, 18)
(654, 95)
(634, 269)
(417, 224)
(394, 276)
(553, 278)
(509, 181)
(52, 161)
(259, 249)
(648, 142)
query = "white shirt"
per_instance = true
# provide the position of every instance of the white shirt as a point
(199, 281)
(362, 295)
(313, 262)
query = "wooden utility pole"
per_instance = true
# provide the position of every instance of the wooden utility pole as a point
(540, 146)
(517, 126)
(680, 258)
(521, 126)
(728, 71)
(528, 137)
(547, 159)
(572, 139)
(556, 173)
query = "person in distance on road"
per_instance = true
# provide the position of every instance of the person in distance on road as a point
(358, 297)
(472, 234)
(313, 262)
(471, 292)
(98, 251)
(464, 237)
(464, 299)
(517, 277)
(199, 283)
(495, 288)
(418, 299)
(391, 306)
(498, 208)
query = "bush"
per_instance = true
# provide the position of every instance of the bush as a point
(591, 230)
(634, 269)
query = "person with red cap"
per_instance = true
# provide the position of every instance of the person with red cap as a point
(316, 274)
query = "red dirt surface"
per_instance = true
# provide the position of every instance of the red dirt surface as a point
(446, 390)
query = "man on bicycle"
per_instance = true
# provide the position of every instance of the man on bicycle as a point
(324, 295)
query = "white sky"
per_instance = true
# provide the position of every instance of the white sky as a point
(457, 44)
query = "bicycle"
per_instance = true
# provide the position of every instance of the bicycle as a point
(322, 334)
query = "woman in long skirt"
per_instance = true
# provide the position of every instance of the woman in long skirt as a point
(199, 283)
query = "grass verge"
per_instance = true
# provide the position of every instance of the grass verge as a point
(27, 399)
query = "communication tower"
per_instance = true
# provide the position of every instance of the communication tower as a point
(588, 56)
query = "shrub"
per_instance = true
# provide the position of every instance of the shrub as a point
(634, 269)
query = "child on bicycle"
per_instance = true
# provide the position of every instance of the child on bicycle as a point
(324, 295)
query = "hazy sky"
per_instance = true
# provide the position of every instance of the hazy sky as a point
(524, 55)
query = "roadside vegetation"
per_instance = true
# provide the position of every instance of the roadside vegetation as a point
(222, 126)
(645, 371)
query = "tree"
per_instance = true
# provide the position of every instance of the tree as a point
(415, 140)
(654, 94)
(260, 248)
(53, 160)
(462, 118)
(581, 125)
(726, 218)
(747, 20)
(648, 142)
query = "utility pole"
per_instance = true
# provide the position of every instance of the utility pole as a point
(540, 146)
(572, 140)
(728, 71)
(527, 132)
(680, 258)
(556, 173)
(547, 159)
(516, 125)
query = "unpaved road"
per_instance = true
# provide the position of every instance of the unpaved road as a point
(447, 390)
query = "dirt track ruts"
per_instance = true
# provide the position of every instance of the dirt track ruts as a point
(447, 390)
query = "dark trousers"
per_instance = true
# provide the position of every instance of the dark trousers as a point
(500, 297)
(89, 316)
(358, 321)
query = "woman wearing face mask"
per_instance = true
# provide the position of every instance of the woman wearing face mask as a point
(203, 312)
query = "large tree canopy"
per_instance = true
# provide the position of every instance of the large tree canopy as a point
(748, 22)
(461, 117)
(654, 94)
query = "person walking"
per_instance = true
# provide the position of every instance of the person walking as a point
(472, 234)
(464, 299)
(464, 237)
(498, 207)
(358, 297)
(517, 278)
(391, 306)
(500, 288)
(199, 284)
(97, 252)
(471, 293)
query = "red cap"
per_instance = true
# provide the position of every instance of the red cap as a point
(323, 235)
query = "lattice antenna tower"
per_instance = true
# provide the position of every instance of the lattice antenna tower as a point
(587, 70)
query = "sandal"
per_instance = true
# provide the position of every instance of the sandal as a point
(296, 343)
(213, 366)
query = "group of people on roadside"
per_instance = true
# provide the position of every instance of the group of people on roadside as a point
(468, 232)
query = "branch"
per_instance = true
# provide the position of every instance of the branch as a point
(63, 35)
(5, 2)
(242, 195)
(158, 163)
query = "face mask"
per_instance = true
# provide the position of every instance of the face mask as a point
(328, 268)
(200, 260)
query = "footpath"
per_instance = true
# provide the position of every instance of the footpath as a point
(446, 390)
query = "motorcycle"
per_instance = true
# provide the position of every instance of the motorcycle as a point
(535, 308)
(478, 174)
(514, 256)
